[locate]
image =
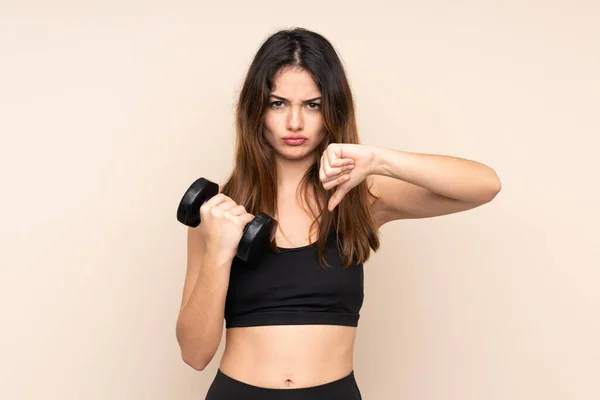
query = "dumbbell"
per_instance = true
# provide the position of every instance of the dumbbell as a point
(257, 235)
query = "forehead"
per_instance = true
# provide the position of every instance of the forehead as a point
(295, 83)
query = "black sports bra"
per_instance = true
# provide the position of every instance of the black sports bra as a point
(291, 288)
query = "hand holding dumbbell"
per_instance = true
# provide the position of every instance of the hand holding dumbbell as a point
(256, 232)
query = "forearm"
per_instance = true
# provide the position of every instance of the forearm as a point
(200, 322)
(453, 177)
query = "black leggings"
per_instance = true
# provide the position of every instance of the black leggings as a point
(225, 387)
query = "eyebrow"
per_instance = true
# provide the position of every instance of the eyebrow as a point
(305, 101)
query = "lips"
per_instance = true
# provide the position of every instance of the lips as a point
(294, 137)
(295, 140)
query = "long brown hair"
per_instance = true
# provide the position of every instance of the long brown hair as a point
(253, 181)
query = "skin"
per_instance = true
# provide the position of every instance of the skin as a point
(291, 356)
(410, 185)
(294, 116)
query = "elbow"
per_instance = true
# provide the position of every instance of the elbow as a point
(196, 349)
(495, 186)
(196, 363)
(196, 355)
(496, 183)
(492, 188)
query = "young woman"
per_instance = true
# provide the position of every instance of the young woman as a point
(291, 318)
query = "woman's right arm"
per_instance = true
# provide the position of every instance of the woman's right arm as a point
(201, 317)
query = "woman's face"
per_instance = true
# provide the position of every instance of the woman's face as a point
(294, 110)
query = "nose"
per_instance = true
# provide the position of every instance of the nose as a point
(295, 121)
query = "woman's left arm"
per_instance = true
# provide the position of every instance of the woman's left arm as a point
(415, 185)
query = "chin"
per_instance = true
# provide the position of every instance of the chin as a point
(294, 154)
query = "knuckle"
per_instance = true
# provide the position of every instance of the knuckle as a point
(224, 197)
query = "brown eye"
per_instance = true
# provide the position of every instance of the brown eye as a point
(276, 102)
(314, 106)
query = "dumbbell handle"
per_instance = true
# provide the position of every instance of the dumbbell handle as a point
(257, 234)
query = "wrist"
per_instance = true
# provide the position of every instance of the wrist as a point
(217, 259)
(378, 166)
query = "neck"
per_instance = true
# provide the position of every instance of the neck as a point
(291, 172)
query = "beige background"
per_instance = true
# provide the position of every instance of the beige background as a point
(109, 110)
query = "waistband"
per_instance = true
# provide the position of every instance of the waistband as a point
(339, 386)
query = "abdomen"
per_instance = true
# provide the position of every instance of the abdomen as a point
(288, 356)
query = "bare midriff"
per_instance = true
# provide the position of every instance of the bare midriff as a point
(288, 356)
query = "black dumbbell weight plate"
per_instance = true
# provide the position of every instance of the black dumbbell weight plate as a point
(256, 238)
(188, 211)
